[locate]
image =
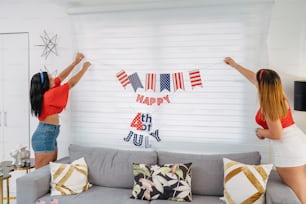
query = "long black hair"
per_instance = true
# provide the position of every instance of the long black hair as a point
(39, 85)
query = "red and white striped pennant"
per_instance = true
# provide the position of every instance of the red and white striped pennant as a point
(123, 78)
(178, 81)
(150, 81)
(195, 78)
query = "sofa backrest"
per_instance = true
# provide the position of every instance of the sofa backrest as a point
(111, 167)
(207, 170)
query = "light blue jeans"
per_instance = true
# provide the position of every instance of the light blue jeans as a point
(44, 138)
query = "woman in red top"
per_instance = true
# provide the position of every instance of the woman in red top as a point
(48, 98)
(287, 140)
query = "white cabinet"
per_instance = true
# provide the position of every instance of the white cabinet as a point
(14, 92)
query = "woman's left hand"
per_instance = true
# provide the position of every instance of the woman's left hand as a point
(79, 58)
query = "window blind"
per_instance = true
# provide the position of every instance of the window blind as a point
(215, 117)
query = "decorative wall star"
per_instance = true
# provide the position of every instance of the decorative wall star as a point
(49, 45)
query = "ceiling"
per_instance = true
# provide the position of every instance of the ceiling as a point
(93, 3)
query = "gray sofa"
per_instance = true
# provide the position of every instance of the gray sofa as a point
(110, 172)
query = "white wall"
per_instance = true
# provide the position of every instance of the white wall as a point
(287, 47)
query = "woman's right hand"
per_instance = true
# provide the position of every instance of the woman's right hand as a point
(259, 136)
(249, 74)
(230, 61)
(86, 65)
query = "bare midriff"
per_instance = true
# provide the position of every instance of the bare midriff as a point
(51, 119)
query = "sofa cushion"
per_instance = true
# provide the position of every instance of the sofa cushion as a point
(69, 179)
(207, 170)
(196, 199)
(245, 183)
(279, 192)
(167, 182)
(111, 167)
(96, 195)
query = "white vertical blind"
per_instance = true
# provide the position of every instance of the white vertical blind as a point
(217, 117)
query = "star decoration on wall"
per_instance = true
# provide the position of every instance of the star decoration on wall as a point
(49, 45)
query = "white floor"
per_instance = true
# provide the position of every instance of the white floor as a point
(11, 201)
(12, 185)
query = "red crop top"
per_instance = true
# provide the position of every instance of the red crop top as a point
(55, 99)
(286, 121)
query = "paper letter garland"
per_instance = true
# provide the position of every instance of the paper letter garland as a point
(142, 123)
(142, 128)
(152, 100)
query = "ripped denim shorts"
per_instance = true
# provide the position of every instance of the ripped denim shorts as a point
(44, 138)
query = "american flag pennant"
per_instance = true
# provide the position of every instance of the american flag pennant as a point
(135, 81)
(123, 78)
(150, 81)
(195, 78)
(178, 81)
(165, 82)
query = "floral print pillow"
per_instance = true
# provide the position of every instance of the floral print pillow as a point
(167, 182)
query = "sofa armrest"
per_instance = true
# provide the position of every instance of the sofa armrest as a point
(278, 192)
(32, 186)
(64, 160)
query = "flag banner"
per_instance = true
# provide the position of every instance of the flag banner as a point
(165, 82)
(195, 78)
(178, 81)
(150, 81)
(123, 78)
(135, 81)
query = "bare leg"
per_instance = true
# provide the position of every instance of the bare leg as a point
(55, 154)
(42, 159)
(295, 178)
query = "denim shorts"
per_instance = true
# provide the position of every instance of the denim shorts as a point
(44, 137)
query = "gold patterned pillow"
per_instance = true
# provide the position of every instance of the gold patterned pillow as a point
(69, 179)
(245, 183)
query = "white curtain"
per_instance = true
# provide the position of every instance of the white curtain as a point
(168, 38)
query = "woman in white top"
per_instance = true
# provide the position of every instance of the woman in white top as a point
(287, 140)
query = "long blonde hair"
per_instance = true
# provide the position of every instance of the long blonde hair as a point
(272, 98)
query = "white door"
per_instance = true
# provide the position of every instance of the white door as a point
(14, 86)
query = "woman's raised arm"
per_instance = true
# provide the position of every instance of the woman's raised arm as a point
(76, 78)
(250, 75)
(68, 69)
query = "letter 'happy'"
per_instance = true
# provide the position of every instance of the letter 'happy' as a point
(152, 100)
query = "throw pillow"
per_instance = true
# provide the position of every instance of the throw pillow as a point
(69, 179)
(245, 183)
(167, 182)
